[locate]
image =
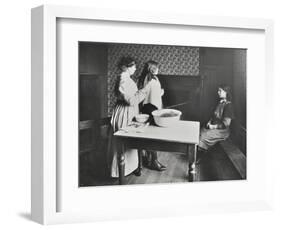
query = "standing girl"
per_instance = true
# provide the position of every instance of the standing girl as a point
(152, 101)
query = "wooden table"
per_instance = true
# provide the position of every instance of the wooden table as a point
(182, 137)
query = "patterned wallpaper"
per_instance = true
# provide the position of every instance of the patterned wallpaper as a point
(173, 60)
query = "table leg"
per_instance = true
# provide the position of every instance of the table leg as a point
(121, 162)
(140, 160)
(192, 153)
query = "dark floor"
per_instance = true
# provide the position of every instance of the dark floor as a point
(214, 166)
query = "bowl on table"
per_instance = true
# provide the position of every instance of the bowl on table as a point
(166, 117)
(142, 118)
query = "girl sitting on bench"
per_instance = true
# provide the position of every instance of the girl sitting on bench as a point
(217, 129)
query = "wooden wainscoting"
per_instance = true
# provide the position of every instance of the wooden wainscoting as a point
(183, 92)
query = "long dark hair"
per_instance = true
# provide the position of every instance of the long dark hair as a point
(227, 89)
(147, 72)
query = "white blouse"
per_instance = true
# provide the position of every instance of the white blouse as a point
(127, 87)
(155, 93)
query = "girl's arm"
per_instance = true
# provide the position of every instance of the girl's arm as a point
(137, 97)
(133, 98)
(228, 115)
(208, 124)
(225, 123)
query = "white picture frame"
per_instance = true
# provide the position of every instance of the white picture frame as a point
(45, 180)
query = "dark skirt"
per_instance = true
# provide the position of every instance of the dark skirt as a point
(148, 109)
(209, 137)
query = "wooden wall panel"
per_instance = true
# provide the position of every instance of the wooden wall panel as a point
(225, 66)
(182, 93)
(216, 68)
(240, 97)
(92, 58)
(92, 93)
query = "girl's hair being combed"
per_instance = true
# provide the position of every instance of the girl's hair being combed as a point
(148, 72)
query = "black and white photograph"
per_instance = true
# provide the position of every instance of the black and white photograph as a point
(145, 114)
(161, 114)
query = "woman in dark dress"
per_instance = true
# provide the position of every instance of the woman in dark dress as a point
(218, 127)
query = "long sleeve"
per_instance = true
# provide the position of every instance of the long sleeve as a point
(227, 116)
(223, 115)
(225, 123)
(129, 92)
(136, 98)
(228, 111)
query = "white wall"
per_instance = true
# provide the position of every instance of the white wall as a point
(15, 112)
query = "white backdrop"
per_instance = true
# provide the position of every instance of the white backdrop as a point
(15, 115)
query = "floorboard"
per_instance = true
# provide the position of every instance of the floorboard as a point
(215, 166)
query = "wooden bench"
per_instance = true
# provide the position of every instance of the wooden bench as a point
(236, 156)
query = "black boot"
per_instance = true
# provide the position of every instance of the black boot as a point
(155, 164)
(137, 172)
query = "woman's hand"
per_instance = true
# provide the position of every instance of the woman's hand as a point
(162, 92)
(212, 126)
